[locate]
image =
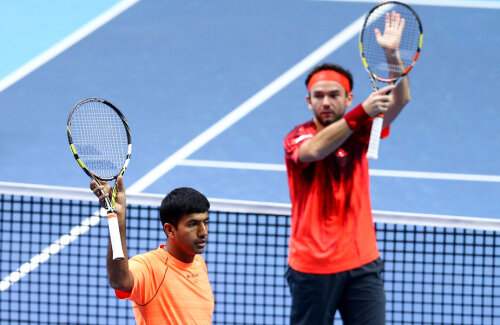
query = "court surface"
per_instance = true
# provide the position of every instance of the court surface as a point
(210, 89)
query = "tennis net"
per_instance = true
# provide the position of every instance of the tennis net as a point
(438, 269)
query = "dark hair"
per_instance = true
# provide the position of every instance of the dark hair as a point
(180, 202)
(330, 66)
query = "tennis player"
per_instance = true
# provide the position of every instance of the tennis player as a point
(334, 262)
(168, 285)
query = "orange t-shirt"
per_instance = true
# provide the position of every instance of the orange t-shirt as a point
(331, 224)
(168, 291)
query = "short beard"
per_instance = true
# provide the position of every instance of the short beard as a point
(325, 124)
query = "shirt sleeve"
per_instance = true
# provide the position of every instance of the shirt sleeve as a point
(293, 141)
(141, 269)
(385, 132)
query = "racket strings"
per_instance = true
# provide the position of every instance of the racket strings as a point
(408, 46)
(100, 138)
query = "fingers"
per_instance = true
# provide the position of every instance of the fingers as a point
(379, 101)
(393, 30)
(382, 97)
(397, 23)
(387, 21)
(381, 104)
(393, 21)
(99, 190)
(119, 184)
(385, 90)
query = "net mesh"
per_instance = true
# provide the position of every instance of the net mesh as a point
(100, 138)
(408, 46)
(52, 264)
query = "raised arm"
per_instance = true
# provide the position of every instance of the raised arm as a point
(119, 276)
(389, 41)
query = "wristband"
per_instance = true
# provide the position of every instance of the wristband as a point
(356, 117)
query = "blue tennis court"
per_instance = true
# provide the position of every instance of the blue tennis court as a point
(210, 89)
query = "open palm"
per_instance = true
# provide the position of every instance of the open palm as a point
(394, 26)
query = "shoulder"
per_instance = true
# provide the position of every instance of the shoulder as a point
(302, 128)
(198, 259)
(300, 132)
(149, 254)
(149, 259)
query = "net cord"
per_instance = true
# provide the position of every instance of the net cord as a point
(242, 206)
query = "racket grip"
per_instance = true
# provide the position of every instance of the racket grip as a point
(114, 235)
(375, 137)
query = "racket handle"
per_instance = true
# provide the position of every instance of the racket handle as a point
(114, 235)
(375, 137)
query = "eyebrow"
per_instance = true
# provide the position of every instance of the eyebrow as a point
(198, 220)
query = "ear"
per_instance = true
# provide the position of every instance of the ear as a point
(169, 230)
(349, 98)
(308, 100)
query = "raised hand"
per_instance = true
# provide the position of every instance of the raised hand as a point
(120, 199)
(394, 26)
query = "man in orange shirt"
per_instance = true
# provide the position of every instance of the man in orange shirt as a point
(168, 285)
(333, 257)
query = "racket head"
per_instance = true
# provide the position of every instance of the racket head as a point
(99, 137)
(373, 56)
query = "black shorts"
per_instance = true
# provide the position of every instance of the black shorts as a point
(358, 294)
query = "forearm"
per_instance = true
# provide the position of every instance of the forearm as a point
(325, 142)
(401, 95)
(119, 276)
(334, 135)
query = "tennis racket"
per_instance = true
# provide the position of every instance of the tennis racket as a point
(382, 66)
(100, 140)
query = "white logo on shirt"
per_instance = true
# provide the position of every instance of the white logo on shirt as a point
(302, 137)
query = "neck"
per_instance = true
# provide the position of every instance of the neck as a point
(178, 253)
(319, 125)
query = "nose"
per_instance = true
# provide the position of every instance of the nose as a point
(325, 101)
(203, 230)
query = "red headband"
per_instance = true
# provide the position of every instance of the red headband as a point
(329, 75)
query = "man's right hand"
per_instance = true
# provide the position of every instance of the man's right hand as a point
(120, 199)
(378, 101)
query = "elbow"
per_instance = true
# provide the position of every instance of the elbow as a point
(407, 99)
(123, 282)
(119, 285)
(115, 284)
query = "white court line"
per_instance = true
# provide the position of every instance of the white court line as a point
(232, 165)
(437, 3)
(373, 172)
(66, 43)
(20, 73)
(432, 175)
